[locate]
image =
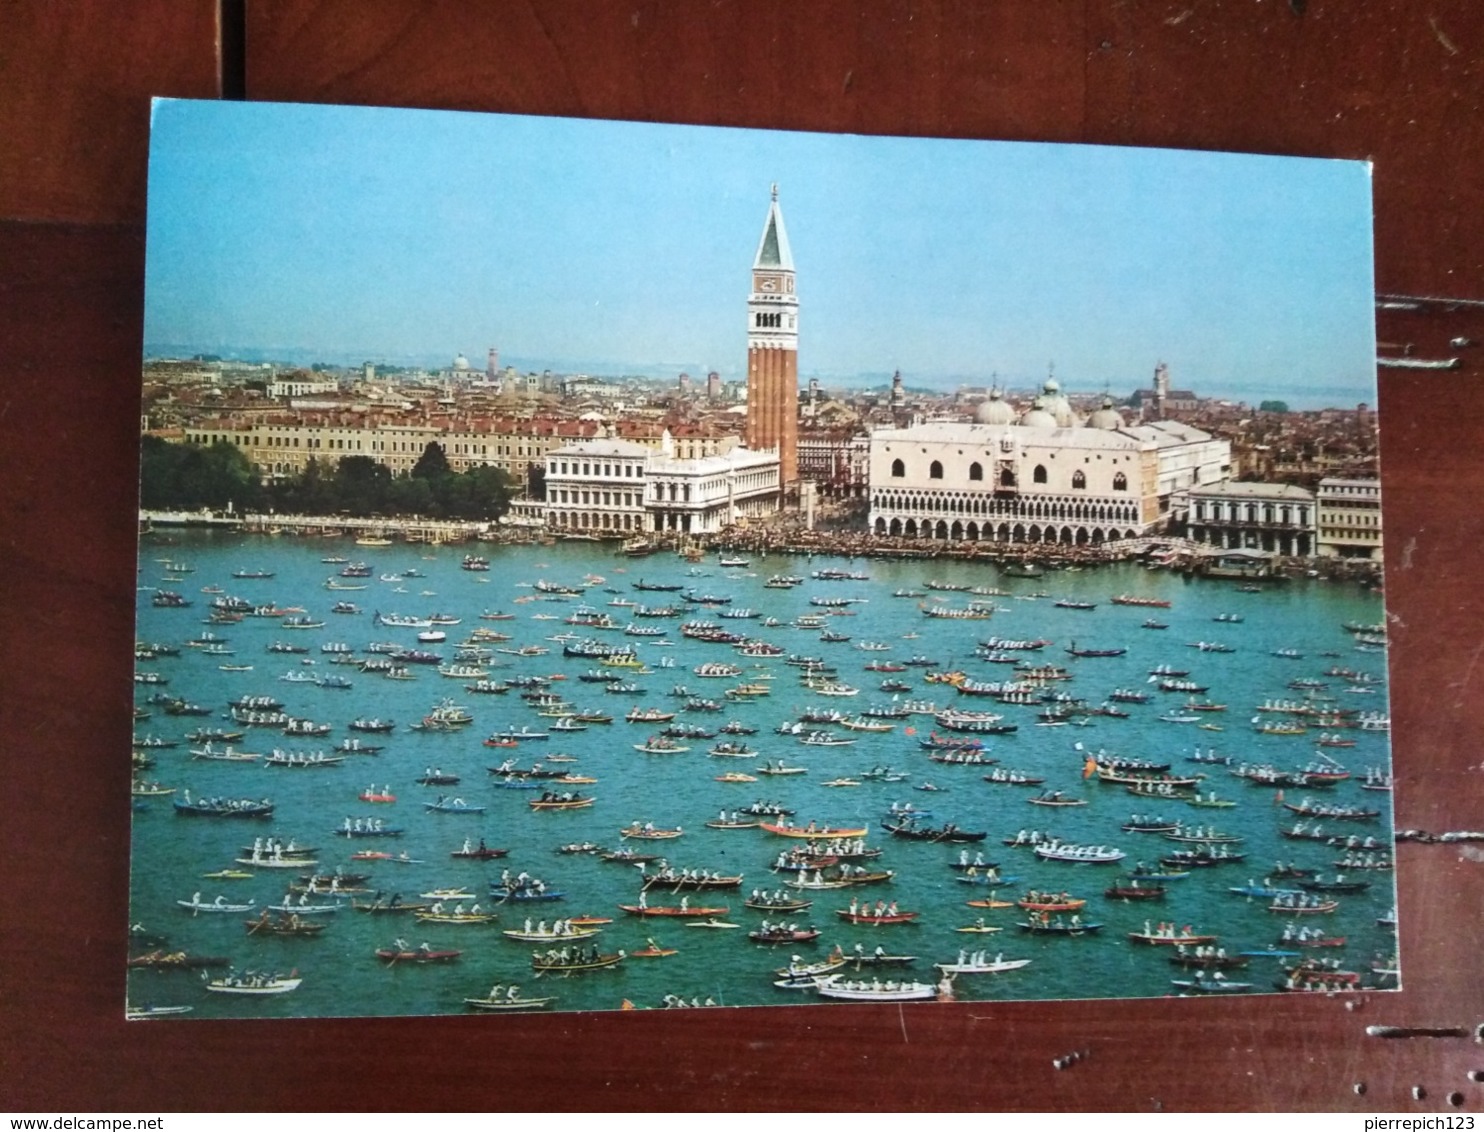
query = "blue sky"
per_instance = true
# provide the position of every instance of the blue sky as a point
(346, 233)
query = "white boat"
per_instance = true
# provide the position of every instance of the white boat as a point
(979, 964)
(195, 905)
(1087, 854)
(252, 983)
(226, 755)
(510, 1005)
(294, 907)
(139, 1013)
(874, 990)
(545, 934)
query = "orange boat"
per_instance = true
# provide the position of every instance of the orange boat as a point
(672, 910)
(813, 831)
(1044, 902)
(864, 916)
(653, 951)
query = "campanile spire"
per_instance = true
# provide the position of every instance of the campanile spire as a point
(773, 347)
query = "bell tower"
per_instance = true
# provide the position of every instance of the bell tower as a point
(773, 348)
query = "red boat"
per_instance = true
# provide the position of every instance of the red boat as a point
(1313, 941)
(672, 910)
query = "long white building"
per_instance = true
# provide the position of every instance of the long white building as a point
(1041, 477)
(619, 487)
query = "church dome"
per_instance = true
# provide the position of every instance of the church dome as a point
(1105, 416)
(1038, 416)
(460, 362)
(995, 411)
(1055, 402)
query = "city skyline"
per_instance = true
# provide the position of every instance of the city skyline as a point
(605, 247)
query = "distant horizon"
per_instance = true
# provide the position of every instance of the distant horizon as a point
(575, 245)
(1308, 400)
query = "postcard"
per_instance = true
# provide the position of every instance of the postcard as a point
(601, 566)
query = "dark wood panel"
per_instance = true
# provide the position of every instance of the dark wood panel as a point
(75, 84)
(954, 69)
(1340, 79)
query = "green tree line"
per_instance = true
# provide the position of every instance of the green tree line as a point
(191, 476)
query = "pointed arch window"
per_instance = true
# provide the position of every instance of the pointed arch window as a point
(898, 469)
(935, 470)
(1079, 481)
(976, 471)
(1120, 482)
(1039, 475)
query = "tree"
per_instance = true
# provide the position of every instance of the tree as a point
(409, 496)
(188, 476)
(1273, 407)
(433, 463)
(362, 485)
(490, 490)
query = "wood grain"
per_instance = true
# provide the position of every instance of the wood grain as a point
(76, 80)
(1390, 80)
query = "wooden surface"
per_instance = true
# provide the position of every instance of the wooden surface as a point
(1397, 82)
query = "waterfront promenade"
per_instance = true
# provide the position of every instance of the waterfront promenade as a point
(779, 538)
(406, 529)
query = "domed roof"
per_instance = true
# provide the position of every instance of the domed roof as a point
(461, 362)
(1105, 416)
(1039, 416)
(1055, 402)
(995, 411)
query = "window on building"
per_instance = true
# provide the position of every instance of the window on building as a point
(1079, 480)
(898, 469)
(1120, 482)
(935, 470)
(976, 471)
(1039, 475)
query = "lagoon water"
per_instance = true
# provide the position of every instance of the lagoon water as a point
(342, 976)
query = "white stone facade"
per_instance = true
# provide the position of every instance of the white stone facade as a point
(1349, 519)
(597, 486)
(1274, 517)
(1012, 483)
(617, 487)
(703, 496)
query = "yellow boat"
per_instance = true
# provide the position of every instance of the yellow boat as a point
(814, 831)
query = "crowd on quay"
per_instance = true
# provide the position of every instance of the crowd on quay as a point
(787, 535)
